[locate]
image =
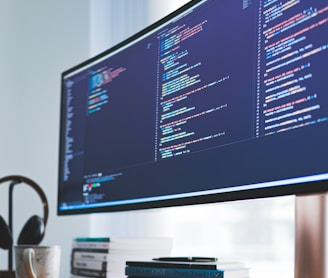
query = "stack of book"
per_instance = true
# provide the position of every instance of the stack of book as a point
(89, 257)
(106, 257)
(189, 267)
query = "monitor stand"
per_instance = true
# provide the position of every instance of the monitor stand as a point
(310, 235)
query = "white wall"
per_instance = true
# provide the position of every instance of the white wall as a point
(39, 40)
(113, 21)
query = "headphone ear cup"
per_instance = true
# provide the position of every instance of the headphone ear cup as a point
(33, 231)
(6, 240)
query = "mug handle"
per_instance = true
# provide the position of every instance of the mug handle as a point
(28, 257)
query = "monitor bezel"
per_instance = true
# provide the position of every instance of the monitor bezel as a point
(299, 188)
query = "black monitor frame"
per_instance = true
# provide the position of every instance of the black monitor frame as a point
(288, 186)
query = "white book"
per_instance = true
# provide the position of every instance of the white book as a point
(94, 265)
(91, 256)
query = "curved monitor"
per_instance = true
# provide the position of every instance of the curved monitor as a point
(220, 100)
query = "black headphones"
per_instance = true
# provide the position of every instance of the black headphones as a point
(34, 229)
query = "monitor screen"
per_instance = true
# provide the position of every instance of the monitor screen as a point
(220, 100)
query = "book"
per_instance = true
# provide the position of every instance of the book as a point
(96, 257)
(91, 242)
(89, 272)
(94, 265)
(80, 276)
(185, 265)
(158, 272)
(124, 244)
(90, 255)
(92, 239)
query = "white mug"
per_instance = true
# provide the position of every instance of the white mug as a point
(33, 261)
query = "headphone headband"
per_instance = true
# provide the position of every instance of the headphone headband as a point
(36, 187)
